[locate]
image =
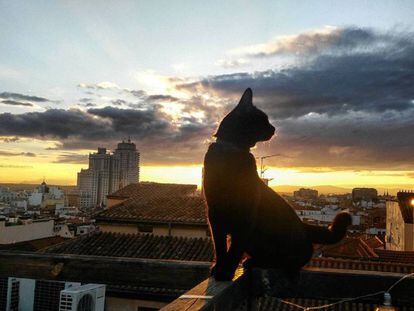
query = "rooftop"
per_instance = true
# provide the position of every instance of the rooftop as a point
(353, 247)
(148, 190)
(34, 245)
(395, 256)
(137, 246)
(167, 209)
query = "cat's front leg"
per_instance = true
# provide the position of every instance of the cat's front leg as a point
(234, 255)
(220, 247)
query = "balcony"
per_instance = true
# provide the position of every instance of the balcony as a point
(324, 281)
(268, 290)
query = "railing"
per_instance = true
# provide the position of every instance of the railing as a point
(246, 291)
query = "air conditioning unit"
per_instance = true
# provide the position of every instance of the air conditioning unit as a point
(12, 294)
(89, 297)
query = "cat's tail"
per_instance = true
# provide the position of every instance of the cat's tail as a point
(331, 235)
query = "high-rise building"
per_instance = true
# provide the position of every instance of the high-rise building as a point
(367, 194)
(107, 173)
(128, 157)
(307, 194)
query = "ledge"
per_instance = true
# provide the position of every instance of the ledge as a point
(313, 283)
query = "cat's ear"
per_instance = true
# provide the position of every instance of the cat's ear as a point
(246, 102)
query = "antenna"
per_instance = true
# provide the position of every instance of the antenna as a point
(262, 167)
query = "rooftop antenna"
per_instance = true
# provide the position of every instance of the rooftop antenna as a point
(262, 167)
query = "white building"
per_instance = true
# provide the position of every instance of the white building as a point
(35, 199)
(6, 195)
(20, 204)
(25, 231)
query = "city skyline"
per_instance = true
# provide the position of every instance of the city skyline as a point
(338, 87)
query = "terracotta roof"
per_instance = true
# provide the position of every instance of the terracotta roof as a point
(273, 303)
(395, 256)
(406, 208)
(138, 246)
(366, 265)
(196, 249)
(350, 247)
(33, 245)
(173, 209)
(374, 242)
(149, 190)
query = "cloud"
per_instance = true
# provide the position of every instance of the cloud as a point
(85, 100)
(15, 166)
(118, 102)
(18, 97)
(347, 104)
(232, 63)
(10, 139)
(72, 158)
(99, 86)
(320, 41)
(161, 97)
(152, 129)
(351, 107)
(137, 93)
(15, 103)
(370, 81)
(13, 154)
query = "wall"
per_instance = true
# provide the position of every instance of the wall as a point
(21, 233)
(119, 228)
(189, 231)
(161, 229)
(395, 228)
(408, 243)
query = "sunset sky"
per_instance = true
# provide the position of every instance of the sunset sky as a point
(335, 77)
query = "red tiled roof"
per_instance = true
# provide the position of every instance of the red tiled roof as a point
(395, 256)
(349, 248)
(196, 249)
(374, 242)
(149, 190)
(273, 303)
(138, 246)
(34, 245)
(366, 265)
(174, 209)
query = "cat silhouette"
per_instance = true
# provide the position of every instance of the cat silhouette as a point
(245, 215)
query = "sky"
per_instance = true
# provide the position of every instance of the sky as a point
(335, 77)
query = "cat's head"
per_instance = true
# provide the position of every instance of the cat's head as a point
(245, 125)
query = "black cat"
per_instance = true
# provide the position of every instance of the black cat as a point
(258, 221)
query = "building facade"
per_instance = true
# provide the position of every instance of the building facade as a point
(367, 194)
(25, 231)
(399, 227)
(107, 173)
